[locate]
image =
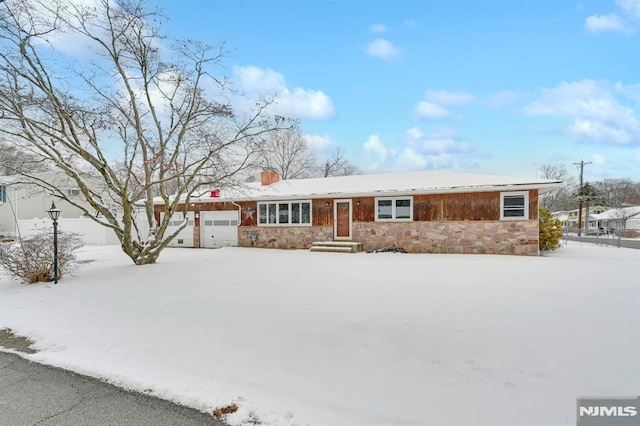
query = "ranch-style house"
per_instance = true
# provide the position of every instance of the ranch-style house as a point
(422, 212)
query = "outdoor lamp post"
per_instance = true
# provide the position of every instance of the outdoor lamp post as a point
(54, 214)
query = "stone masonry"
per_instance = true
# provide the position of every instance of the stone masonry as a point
(490, 237)
(482, 237)
(283, 237)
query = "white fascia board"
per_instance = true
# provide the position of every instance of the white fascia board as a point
(389, 193)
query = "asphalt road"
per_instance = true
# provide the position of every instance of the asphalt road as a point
(36, 394)
(606, 240)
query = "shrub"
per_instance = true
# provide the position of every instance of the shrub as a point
(550, 231)
(31, 259)
(629, 233)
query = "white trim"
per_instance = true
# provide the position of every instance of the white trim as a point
(526, 205)
(335, 219)
(277, 215)
(393, 209)
(268, 197)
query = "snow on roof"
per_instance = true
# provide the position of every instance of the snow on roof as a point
(617, 213)
(432, 181)
(10, 179)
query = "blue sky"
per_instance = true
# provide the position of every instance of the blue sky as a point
(497, 87)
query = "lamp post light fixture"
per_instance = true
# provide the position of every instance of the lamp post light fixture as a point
(54, 214)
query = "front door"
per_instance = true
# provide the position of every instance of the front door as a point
(342, 222)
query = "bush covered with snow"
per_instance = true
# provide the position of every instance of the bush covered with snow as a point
(550, 231)
(31, 259)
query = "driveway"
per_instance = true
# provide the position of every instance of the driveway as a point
(36, 394)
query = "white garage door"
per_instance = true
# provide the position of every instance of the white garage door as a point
(185, 237)
(219, 228)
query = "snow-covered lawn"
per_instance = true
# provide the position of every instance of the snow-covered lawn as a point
(294, 337)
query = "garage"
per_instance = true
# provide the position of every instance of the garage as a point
(185, 236)
(219, 228)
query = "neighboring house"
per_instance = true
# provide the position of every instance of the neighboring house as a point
(422, 212)
(569, 218)
(614, 219)
(23, 210)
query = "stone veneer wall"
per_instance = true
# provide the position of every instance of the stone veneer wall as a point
(283, 237)
(492, 237)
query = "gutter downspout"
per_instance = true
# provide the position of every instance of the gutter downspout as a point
(239, 213)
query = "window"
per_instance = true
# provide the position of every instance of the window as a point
(514, 205)
(3, 194)
(292, 213)
(394, 209)
(283, 213)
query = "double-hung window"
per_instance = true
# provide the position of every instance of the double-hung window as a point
(285, 213)
(514, 205)
(390, 209)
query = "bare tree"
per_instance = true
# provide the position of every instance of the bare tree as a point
(617, 192)
(620, 195)
(287, 152)
(563, 197)
(338, 165)
(142, 115)
(13, 160)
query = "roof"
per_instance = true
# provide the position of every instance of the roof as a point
(422, 182)
(612, 214)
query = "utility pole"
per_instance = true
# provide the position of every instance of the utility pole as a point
(581, 164)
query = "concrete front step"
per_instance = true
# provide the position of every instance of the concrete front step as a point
(336, 246)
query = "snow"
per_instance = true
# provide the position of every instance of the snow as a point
(624, 212)
(419, 182)
(296, 338)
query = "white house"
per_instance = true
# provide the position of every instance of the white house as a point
(614, 219)
(23, 210)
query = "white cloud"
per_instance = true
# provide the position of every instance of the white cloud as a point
(320, 143)
(378, 28)
(631, 91)
(383, 49)
(412, 160)
(431, 111)
(598, 131)
(599, 160)
(632, 7)
(444, 97)
(375, 146)
(258, 80)
(624, 22)
(594, 114)
(442, 141)
(65, 38)
(441, 149)
(433, 108)
(610, 22)
(298, 103)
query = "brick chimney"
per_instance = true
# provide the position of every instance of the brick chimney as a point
(267, 177)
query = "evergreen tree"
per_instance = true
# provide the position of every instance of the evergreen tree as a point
(550, 231)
